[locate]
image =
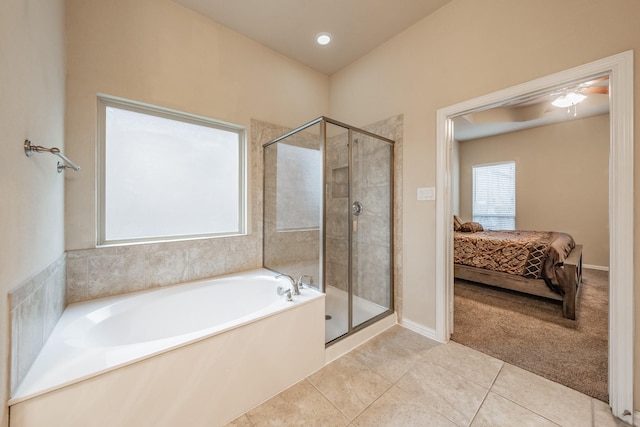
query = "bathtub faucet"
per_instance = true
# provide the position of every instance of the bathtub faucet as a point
(301, 283)
(294, 283)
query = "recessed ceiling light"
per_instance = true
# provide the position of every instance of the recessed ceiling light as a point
(323, 39)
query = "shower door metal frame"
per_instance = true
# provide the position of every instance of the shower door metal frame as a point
(350, 130)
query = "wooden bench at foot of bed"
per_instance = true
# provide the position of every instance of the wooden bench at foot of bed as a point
(570, 279)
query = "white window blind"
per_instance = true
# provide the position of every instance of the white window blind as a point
(494, 195)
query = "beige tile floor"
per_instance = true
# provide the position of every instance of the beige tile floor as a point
(401, 378)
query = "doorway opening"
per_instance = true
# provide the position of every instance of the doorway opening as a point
(619, 69)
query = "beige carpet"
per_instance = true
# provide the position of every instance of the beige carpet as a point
(531, 333)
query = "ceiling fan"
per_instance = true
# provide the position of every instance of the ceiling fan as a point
(571, 96)
(598, 86)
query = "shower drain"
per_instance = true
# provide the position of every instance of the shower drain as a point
(327, 317)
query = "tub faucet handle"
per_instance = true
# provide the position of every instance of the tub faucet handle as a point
(301, 283)
(282, 291)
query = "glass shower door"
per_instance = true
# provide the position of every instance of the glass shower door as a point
(336, 234)
(371, 223)
(358, 229)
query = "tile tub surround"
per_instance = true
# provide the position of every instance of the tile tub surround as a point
(35, 306)
(400, 378)
(102, 272)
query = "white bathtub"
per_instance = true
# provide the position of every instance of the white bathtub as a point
(203, 352)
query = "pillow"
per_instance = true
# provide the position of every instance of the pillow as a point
(471, 227)
(456, 223)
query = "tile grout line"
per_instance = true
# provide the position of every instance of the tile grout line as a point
(474, 381)
(487, 394)
(497, 375)
(427, 405)
(479, 407)
(85, 288)
(529, 409)
(329, 400)
(42, 282)
(518, 404)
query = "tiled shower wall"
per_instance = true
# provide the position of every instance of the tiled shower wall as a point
(372, 241)
(392, 128)
(36, 305)
(106, 271)
(370, 274)
(337, 209)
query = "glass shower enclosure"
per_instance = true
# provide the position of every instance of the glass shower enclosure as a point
(328, 219)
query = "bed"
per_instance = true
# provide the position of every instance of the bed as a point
(546, 264)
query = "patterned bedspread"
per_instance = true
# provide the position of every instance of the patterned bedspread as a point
(531, 254)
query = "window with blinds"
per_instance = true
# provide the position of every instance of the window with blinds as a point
(494, 195)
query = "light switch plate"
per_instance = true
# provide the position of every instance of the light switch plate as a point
(426, 193)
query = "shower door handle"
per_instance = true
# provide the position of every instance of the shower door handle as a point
(356, 208)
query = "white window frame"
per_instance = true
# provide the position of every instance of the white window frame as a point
(105, 101)
(473, 191)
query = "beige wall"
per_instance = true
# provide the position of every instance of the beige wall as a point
(32, 106)
(158, 52)
(562, 179)
(466, 49)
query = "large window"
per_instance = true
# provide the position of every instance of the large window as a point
(166, 175)
(494, 195)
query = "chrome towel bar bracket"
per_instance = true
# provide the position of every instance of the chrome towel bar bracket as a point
(29, 149)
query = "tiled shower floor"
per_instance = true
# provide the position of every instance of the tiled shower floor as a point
(336, 308)
(400, 378)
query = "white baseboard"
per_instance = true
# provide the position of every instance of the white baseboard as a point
(595, 267)
(636, 418)
(420, 329)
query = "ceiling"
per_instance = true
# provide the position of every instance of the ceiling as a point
(290, 26)
(359, 26)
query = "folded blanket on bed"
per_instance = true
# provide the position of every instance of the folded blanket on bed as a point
(531, 254)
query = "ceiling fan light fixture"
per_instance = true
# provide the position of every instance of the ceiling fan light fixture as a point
(323, 39)
(571, 98)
